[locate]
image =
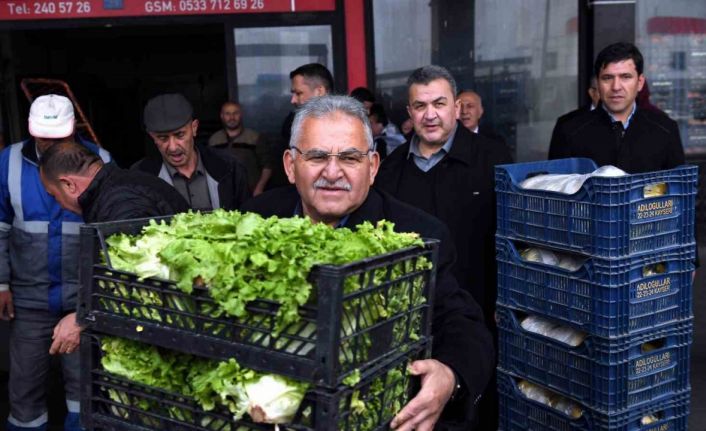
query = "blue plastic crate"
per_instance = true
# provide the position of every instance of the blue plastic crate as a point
(605, 297)
(601, 373)
(518, 412)
(609, 217)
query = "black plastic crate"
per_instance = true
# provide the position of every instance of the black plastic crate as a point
(112, 402)
(607, 374)
(605, 297)
(518, 412)
(337, 333)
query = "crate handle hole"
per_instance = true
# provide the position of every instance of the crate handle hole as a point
(654, 269)
(655, 190)
(651, 418)
(653, 345)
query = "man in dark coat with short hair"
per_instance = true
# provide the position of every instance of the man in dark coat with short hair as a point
(80, 182)
(455, 182)
(618, 132)
(447, 171)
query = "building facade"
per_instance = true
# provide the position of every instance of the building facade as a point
(530, 60)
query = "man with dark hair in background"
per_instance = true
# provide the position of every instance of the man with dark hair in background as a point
(619, 132)
(205, 179)
(387, 137)
(80, 182)
(308, 81)
(364, 96)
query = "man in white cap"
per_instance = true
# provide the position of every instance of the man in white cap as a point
(39, 269)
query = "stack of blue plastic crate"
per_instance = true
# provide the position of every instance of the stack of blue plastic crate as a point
(630, 299)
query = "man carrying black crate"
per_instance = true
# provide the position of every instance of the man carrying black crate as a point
(82, 183)
(332, 163)
(618, 132)
(39, 269)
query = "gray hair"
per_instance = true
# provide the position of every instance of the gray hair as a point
(424, 75)
(326, 106)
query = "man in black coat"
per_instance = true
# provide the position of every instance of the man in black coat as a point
(448, 171)
(205, 178)
(618, 132)
(80, 182)
(333, 164)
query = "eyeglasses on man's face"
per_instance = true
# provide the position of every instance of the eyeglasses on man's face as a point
(321, 158)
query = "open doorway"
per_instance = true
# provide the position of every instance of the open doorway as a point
(114, 70)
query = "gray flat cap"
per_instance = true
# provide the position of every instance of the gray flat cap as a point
(167, 112)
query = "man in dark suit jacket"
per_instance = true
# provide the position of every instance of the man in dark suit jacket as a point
(332, 163)
(447, 170)
(618, 132)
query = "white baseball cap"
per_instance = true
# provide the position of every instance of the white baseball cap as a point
(51, 116)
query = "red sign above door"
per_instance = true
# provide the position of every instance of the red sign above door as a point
(11, 10)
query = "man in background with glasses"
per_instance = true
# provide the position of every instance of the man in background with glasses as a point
(332, 164)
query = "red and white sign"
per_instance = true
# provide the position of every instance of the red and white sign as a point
(11, 10)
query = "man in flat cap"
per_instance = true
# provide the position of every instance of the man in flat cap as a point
(206, 179)
(39, 269)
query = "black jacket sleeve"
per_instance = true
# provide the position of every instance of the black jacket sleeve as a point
(233, 188)
(558, 146)
(120, 210)
(241, 191)
(675, 155)
(132, 200)
(461, 339)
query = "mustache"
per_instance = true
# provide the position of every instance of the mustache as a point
(338, 184)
